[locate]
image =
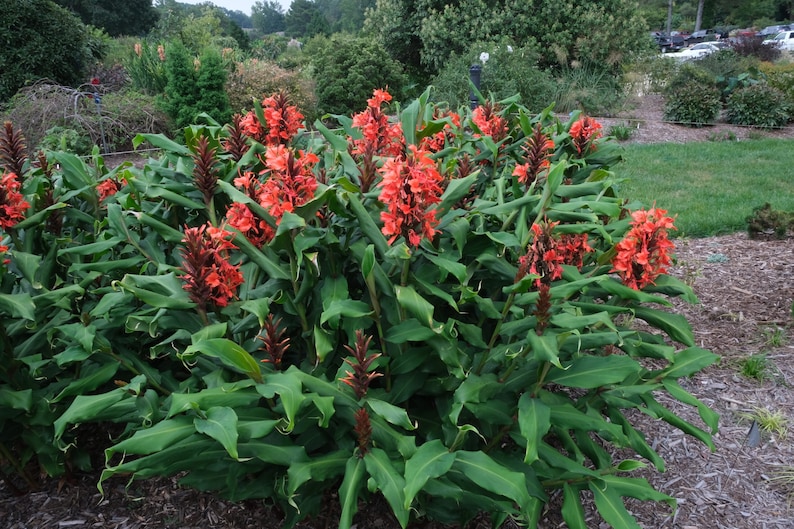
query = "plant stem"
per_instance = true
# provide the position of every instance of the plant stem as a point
(8, 456)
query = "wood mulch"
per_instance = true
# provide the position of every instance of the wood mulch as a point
(746, 291)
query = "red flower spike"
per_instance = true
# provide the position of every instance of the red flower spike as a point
(257, 230)
(291, 183)
(538, 150)
(360, 378)
(438, 141)
(236, 143)
(583, 133)
(12, 204)
(275, 344)
(490, 123)
(543, 308)
(205, 172)
(363, 431)
(283, 120)
(547, 253)
(208, 276)
(381, 138)
(410, 187)
(251, 127)
(13, 151)
(642, 255)
(107, 188)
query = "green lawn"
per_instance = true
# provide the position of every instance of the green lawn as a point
(711, 187)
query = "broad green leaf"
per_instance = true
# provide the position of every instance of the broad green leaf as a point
(159, 437)
(18, 306)
(229, 353)
(38, 217)
(610, 506)
(89, 380)
(545, 348)
(349, 490)
(709, 416)
(590, 372)
(389, 481)
(368, 226)
(485, 472)
(628, 465)
(220, 423)
(415, 304)
(409, 331)
(161, 142)
(288, 386)
(345, 308)
(86, 407)
(276, 454)
(572, 509)
(671, 418)
(317, 469)
(534, 421)
(163, 291)
(391, 413)
(16, 400)
(689, 361)
(675, 325)
(430, 461)
(638, 488)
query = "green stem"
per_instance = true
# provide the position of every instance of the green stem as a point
(8, 456)
(135, 371)
(496, 331)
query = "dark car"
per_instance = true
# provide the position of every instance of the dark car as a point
(702, 35)
(667, 42)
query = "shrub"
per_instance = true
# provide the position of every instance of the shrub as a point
(41, 41)
(755, 47)
(589, 88)
(347, 69)
(692, 97)
(252, 79)
(781, 77)
(758, 105)
(508, 71)
(67, 139)
(292, 321)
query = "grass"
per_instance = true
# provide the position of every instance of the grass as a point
(710, 187)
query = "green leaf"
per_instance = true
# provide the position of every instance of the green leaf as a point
(390, 482)
(485, 472)
(415, 304)
(89, 380)
(409, 330)
(161, 142)
(349, 490)
(689, 361)
(391, 413)
(86, 407)
(368, 226)
(18, 306)
(163, 291)
(345, 308)
(638, 488)
(220, 424)
(590, 372)
(288, 386)
(545, 348)
(16, 400)
(317, 469)
(159, 437)
(431, 460)
(229, 353)
(572, 509)
(709, 416)
(534, 421)
(610, 506)
(675, 325)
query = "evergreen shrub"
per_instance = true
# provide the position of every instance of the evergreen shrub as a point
(692, 97)
(758, 105)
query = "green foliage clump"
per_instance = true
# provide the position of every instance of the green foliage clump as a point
(346, 69)
(116, 17)
(758, 105)
(194, 86)
(145, 65)
(692, 97)
(767, 221)
(780, 76)
(60, 138)
(394, 331)
(588, 87)
(41, 40)
(508, 71)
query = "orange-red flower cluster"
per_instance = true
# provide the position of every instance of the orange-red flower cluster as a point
(438, 141)
(282, 121)
(257, 230)
(209, 276)
(537, 151)
(410, 187)
(291, 182)
(643, 254)
(107, 188)
(583, 133)
(547, 253)
(381, 137)
(490, 123)
(12, 204)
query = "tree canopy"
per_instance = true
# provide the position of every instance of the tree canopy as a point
(116, 17)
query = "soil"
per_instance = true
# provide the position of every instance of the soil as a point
(746, 289)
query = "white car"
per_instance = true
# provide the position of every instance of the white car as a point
(696, 51)
(783, 40)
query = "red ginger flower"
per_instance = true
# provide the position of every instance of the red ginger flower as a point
(275, 344)
(283, 120)
(584, 132)
(363, 431)
(547, 253)
(359, 379)
(642, 255)
(538, 150)
(437, 141)
(107, 188)
(489, 122)
(381, 138)
(291, 183)
(12, 204)
(257, 230)
(409, 188)
(209, 277)
(251, 127)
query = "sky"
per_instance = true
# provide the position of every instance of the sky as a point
(238, 5)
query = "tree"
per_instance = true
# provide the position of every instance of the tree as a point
(117, 17)
(699, 18)
(267, 17)
(304, 19)
(42, 40)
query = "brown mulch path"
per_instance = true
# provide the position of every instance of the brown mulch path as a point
(746, 291)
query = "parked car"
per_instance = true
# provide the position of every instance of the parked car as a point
(783, 40)
(771, 31)
(696, 51)
(668, 43)
(702, 35)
